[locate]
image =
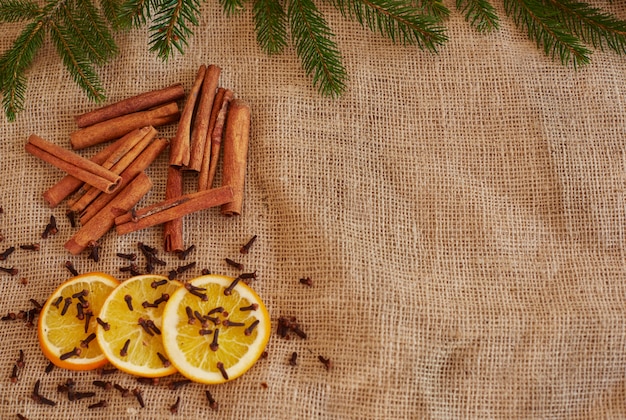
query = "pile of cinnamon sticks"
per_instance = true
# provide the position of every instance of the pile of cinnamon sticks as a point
(104, 190)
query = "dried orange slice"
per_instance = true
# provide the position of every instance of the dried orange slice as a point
(130, 336)
(215, 329)
(67, 322)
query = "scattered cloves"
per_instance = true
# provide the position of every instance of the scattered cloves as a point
(129, 257)
(234, 264)
(103, 384)
(222, 369)
(74, 352)
(51, 228)
(164, 360)
(94, 251)
(158, 283)
(251, 328)
(174, 407)
(231, 286)
(49, 367)
(14, 372)
(66, 305)
(182, 255)
(293, 360)
(306, 281)
(129, 302)
(30, 247)
(124, 349)
(325, 361)
(12, 271)
(85, 343)
(70, 267)
(139, 396)
(174, 385)
(214, 345)
(20, 360)
(209, 397)
(5, 254)
(104, 325)
(246, 247)
(99, 404)
(72, 216)
(57, 301)
(252, 307)
(125, 392)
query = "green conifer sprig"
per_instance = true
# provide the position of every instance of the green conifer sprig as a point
(270, 23)
(313, 41)
(544, 27)
(480, 14)
(82, 32)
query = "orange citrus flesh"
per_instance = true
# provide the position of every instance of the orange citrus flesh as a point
(133, 342)
(62, 330)
(190, 322)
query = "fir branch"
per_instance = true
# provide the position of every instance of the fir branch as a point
(591, 24)
(480, 14)
(14, 63)
(231, 7)
(87, 29)
(170, 26)
(103, 39)
(131, 13)
(543, 27)
(435, 8)
(111, 9)
(314, 45)
(397, 20)
(76, 62)
(18, 10)
(270, 25)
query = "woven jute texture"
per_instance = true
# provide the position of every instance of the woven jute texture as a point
(461, 216)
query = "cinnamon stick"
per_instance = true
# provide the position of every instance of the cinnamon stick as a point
(216, 140)
(202, 117)
(119, 126)
(172, 209)
(134, 143)
(130, 105)
(104, 220)
(180, 148)
(236, 139)
(75, 165)
(203, 175)
(147, 156)
(69, 184)
(173, 229)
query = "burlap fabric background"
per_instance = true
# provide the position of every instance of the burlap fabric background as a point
(461, 215)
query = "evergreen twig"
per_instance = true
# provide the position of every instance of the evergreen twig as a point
(317, 51)
(270, 25)
(591, 24)
(170, 27)
(480, 14)
(547, 31)
(397, 20)
(81, 31)
(18, 11)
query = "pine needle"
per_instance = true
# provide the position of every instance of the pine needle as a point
(76, 62)
(231, 7)
(397, 20)
(480, 14)
(592, 25)
(314, 45)
(17, 10)
(170, 27)
(543, 27)
(13, 65)
(270, 25)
